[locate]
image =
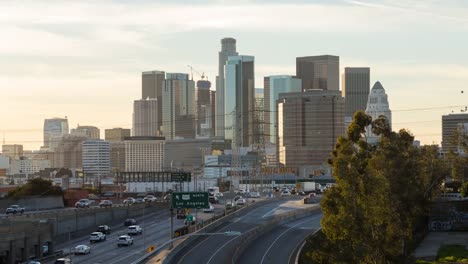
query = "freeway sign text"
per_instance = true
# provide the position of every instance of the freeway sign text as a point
(190, 200)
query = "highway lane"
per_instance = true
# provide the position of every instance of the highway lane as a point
(219, 248)
(279, 245)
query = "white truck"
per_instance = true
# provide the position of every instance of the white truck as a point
(308, 187)
(15, 209)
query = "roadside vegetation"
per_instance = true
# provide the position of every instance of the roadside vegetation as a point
(34, 187)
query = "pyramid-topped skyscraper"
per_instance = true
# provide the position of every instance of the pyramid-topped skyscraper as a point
(377, 105)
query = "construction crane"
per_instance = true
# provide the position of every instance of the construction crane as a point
(202, 76)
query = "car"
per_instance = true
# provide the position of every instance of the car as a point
(45, 250)
(181, 213)
(229, 205)
(130, 222)
(104, 229)
(15, 209)
(213, 200)
(312, 194)
(129, 201)
(109, 194)
(293, 192)
(240, 191)
(134, 230)
(241, 201)
(285, 193)
(96, 237)
(125, 240)
(210, 209)
(105, 203)
(237, 198)
(301, 193)
(139, 200)
(218, 194)
(82, 250)
(167, 197)
(83, 203)
(149, 198)
(255, 194)
(63, 261)
(34, 262)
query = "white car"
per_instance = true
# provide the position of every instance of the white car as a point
(241, 191)
(219, 194)
(134, 230)
(82, 250)
(255, 194)
(149, 198)
(285, 193)
(96, 237)
(241, 201)
(209, 209)
(125, 241)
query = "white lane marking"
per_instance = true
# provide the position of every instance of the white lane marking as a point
(269, 248)
(225, 244)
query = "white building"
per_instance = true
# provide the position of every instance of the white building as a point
(28, 166)
(377, 105)
(144, 154)
(96, 158)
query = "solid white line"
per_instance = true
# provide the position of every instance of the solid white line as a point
(225, 244)
(268, 250)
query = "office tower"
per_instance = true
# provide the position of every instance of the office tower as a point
(275, 85)
(204, 123)
(377, 105)
(117, 155)
(308, 125)
(213, 112)
(145, 117)
(355, 90)
(144, 154)
(13, 151)
(90, 132)
(54, 129)
(179, 106)
(228, 48)
(451, 124)
(96, 158)
(259, 121)
(69, 152)
(116, 134)
(152, 84)
(319, 72)
(239, 101)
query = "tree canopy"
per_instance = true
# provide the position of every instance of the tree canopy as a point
(36, 186)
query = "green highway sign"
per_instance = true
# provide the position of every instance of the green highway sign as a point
(189, 218)
(190, 200)
(181, 176)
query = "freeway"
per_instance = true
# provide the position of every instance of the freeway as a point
(279, 245)
(219, 248)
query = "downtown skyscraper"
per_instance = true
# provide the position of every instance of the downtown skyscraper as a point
(356, 88)
(319, 72)
(228, 48)
(152, 83)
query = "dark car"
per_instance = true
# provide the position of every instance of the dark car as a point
(130, 222)
(213, 200)
(104, 229)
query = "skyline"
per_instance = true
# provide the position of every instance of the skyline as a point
(83, 60)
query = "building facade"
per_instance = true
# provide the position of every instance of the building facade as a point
(451, 124)
(356, 88)
(179, 106)
(275, 85)
(319, 72)
(144, 154)
(145, 118)
(239, 100)
(69, 152)
(308, 125)
(117, 155)
(90, 132)
(377, 105)
(204, 113)
(28, 166)
(152, 85)
(13, 151)
(54, 129)
(228, 48)
(116, 134)
(96, 158)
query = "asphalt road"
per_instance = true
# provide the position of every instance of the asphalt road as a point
(218, 248)
(279, 245)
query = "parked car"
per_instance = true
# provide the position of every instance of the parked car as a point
(63, 261)
(130, 222)
(285, 193)
(210, 209)
(255, 194)
(96, 237)
(134, 230)
(149, 198)
(105, 203)
(104, 229)
(129, 201)
(125, 240)
(82, 250)
(83, 203)
(213, 200)
(241, 201)
(15, 209)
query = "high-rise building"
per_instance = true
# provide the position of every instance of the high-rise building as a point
(116, 134)
(179, 106)
(90, 132)
(239, 102)
(308, 125)
(228, 48)
(275, 85)
(54, 129)
(145, 118)
(355, 90)
(69, 152)
(319, 72)
(152, 84)
(377, 105)
(204, 119)
(451, 124)
(28, 166)
(96, 158)
(13, 151)
(213, 112)
(117, 155)
(144, 154)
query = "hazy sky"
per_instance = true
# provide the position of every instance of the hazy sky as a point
(83, 59)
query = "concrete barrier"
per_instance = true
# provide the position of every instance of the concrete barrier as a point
(33, 203)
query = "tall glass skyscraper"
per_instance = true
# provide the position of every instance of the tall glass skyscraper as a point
(54, 129)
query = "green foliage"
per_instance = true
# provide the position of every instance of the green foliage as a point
(464, 189)
(452, 253)
(36, 186)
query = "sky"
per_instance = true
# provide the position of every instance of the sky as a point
(83, 59)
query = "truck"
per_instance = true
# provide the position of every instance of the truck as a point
(15, 209)
(308, 187)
